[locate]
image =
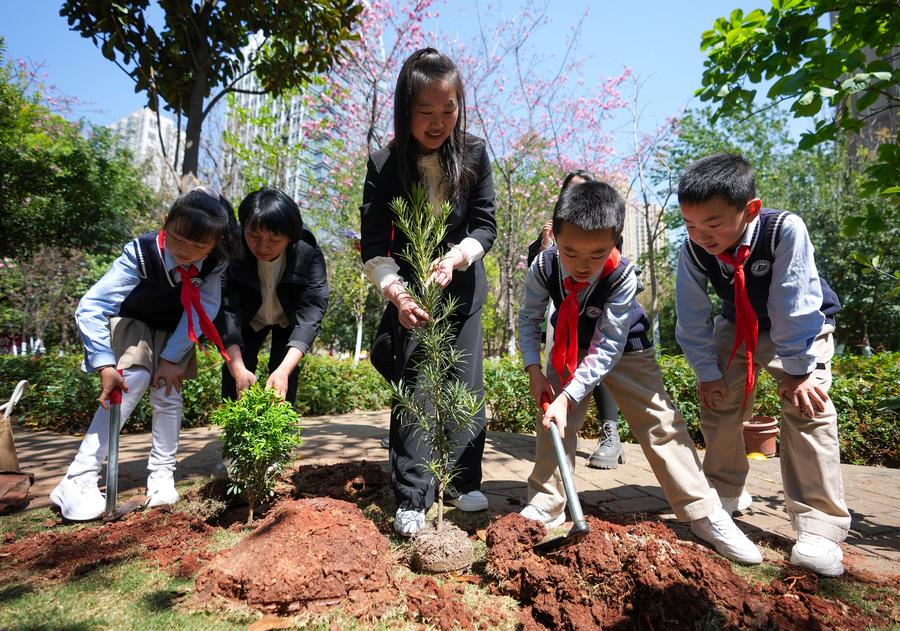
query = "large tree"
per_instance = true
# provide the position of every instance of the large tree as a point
(60, 187)
(200, 52)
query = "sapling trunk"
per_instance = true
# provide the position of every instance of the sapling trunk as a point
(437, 403)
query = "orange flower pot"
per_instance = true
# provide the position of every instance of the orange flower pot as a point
(760, 435)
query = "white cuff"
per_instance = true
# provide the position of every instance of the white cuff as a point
(382, 271)
(471, 249)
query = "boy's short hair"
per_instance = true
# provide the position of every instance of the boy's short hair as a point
(271, 210)
(724, 175)
(590, 206)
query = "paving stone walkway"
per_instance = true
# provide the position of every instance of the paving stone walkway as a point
(872, 493)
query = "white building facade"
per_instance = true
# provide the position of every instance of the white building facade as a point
(140, 134)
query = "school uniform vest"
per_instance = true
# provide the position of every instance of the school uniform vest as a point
(758, 271)
(156, 300)
(593, 305)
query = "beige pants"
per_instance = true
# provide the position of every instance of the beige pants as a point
(637, 386)
(810, 453)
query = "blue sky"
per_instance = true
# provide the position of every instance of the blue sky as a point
(658, 39)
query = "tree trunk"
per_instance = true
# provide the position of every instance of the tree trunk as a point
(654, 292)
(191, 160)
(359, 335)
(440, 503)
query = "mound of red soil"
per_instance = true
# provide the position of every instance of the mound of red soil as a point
(174, 540)
(306, 554)
(641, 576)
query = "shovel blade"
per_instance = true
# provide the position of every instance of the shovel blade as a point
(578, 532)
(128, 507)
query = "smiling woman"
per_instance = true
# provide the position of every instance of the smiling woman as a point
(279, 286)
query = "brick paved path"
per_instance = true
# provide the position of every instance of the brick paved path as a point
(872, 493)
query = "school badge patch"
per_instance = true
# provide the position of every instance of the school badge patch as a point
(593, 312)
(760, 268)
(196, 282)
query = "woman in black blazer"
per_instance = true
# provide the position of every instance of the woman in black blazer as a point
(278, 286)
(430, 146)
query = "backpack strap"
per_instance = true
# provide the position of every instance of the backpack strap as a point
(689, 246)
(773, 234)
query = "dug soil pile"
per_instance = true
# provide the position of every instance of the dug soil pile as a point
(306, 554)
(175, 541)
(640, 576)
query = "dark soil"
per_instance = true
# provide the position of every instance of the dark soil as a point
(640, 576)
(306, 554)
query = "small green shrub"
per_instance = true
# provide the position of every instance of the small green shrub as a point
(259, 430)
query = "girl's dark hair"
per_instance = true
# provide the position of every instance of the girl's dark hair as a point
(272, 210)
(571, 175)
(201, 216)
(420, 70)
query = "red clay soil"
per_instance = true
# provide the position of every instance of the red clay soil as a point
(443, 606)
(174, 540)
(640, 576)
(306, 555)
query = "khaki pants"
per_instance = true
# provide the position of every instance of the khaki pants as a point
(636, 384)
(810, 453)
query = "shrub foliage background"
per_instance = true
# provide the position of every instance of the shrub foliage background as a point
(869, 431)
(62, 398)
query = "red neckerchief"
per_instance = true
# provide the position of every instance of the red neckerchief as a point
(746, 323)
(564, 355)
(190, 298)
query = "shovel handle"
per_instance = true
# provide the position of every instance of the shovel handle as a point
(112, 462)
(565, 472)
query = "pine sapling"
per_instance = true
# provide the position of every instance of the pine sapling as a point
(438, 404)
(259, 431)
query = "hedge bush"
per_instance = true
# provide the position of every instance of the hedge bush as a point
(62, 398)
(868, 423)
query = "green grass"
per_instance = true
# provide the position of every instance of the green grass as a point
(763, 573)
(130, 595)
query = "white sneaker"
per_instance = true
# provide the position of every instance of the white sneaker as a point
(470, 502)
(719, 530)
(408, 522)
(816, 553)
(161, 488)
(737, 504)
(78, 498)
(539, 514)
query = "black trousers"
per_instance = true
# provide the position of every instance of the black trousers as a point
(607, 410)
(253, 341)
(414, 487)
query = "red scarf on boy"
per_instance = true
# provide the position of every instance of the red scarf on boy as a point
(564, 355)
(746, 323)
(190, 298)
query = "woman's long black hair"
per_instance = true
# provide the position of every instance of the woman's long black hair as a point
(420, 70)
